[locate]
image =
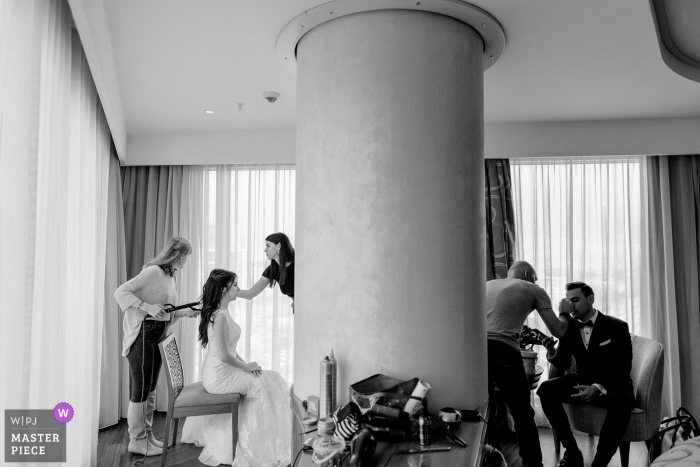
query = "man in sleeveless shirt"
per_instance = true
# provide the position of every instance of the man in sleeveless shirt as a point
(508, 303)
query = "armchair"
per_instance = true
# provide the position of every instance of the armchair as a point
(647, 380)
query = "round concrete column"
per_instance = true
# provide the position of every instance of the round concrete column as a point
(390, 204)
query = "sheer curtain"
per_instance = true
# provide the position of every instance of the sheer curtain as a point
(55, 150)
(581, 220)
(241, 205)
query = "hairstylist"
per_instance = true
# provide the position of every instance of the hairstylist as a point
(145, 325)
(279, 249)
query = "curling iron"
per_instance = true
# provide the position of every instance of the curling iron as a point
(181, 307)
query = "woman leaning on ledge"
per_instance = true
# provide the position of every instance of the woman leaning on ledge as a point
(280, 252)
(145, 325)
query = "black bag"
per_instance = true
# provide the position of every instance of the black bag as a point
(683, 426)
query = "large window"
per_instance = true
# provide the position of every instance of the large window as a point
(243, 205)
(580, 220)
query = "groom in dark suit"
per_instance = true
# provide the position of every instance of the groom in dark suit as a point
(602, 348)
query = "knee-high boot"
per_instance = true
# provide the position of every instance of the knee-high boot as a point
(138, 438)
(150, 406)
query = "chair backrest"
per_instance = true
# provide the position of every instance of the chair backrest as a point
(170, 353)
(647, 375)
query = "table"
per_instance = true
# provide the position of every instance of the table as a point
(473, 432)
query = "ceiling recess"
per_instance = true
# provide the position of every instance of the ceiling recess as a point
(486, 25)
(676, 23)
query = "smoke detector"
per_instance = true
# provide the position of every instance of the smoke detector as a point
(271, 97)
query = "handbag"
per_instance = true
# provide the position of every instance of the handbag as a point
(679, 428)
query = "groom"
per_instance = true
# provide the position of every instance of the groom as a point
(602, 348)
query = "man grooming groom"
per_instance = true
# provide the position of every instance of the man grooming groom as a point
(602, 348)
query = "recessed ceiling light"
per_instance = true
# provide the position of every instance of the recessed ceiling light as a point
(209, 111)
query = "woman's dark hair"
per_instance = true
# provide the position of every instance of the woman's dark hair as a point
(286, 256)
(217, 283)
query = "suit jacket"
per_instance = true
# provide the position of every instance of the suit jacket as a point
(608, 359)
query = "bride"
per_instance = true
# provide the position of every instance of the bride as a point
(264, 416)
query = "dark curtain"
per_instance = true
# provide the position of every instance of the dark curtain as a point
(500, 219)
(683, 174)
(673, 273)
(151, 211)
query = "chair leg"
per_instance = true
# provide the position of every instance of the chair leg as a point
(234, 429)
(652, 449)
(177, 421)
(557, 443)
(164, 455)
(625, 453)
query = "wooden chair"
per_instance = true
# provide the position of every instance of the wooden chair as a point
(191, 400)
(647, 381)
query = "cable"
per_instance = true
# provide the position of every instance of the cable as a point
(488, 449)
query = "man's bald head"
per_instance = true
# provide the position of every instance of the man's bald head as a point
(522, 270)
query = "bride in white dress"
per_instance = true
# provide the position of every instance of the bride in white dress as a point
(264, 414)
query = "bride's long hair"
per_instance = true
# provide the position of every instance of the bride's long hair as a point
(218, 282)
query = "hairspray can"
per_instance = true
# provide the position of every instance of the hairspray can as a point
(326, 393)
(334, 396)
(424, 430)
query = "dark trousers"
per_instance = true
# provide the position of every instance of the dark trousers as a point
(618, 403)
(507, 373)
(144, 359)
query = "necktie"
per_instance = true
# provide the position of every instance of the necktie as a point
(588, 323)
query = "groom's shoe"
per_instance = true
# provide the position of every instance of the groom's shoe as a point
(138, 438)
(571, 459)
(150, 405)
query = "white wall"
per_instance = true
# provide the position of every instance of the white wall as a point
(234, 147)
(501, 140)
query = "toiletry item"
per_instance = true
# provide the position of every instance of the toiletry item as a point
(334, 397)
(326, 395)
(326, 426)
(424, 431)
(388, 412)
(420, 391)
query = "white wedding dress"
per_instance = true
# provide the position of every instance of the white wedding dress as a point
(264, 414)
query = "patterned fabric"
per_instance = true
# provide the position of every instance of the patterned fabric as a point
(172, 355)
(500, 219)
(347, 420)
(684, 454)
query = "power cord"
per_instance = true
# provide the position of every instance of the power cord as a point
(488, 449)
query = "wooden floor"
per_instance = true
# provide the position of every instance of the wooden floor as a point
(113, 441)
(587, 445)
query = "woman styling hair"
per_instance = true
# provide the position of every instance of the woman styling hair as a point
(279, 249)
(145, 325)
(264, 415)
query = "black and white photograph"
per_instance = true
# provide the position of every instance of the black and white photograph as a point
(350, 233)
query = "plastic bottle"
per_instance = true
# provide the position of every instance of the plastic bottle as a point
(334, 397)
(326, 392)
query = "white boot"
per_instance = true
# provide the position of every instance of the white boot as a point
(150, 405)
(138, 438)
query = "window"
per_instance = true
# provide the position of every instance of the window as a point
(580, 220)
(242, 205)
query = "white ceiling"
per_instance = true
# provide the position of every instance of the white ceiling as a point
(563, 61)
